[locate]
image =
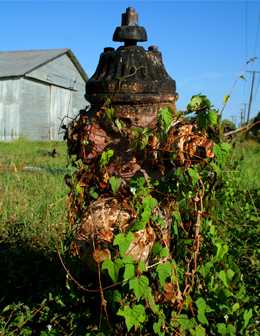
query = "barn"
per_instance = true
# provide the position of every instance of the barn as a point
(39, 89)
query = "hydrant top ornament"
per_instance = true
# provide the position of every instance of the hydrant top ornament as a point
(133, 79)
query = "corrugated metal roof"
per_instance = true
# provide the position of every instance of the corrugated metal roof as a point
(19, 63)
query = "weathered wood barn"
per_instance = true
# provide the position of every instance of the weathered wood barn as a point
(38, 89)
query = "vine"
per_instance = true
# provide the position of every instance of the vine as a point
(140, 205)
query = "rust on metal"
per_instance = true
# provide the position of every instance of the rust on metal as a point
(132, 78)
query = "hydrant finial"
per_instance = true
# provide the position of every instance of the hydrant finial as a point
(130, 32)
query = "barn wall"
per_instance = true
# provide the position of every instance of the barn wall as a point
(9, 109)
(62, 72)
(60, 110)
(34, 110)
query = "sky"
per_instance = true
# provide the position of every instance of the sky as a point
(204, 44)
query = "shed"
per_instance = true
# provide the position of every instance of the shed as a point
(38, 90)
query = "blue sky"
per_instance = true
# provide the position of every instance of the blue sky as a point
(205, 44)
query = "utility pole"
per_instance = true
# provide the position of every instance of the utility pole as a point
(242, 114)
(251, 94)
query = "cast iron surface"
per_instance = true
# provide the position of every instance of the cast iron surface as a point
(134, 79)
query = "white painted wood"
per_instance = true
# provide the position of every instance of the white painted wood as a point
(9, 109)
(60, 110)
(34, 110)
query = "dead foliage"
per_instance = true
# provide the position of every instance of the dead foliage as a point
(103, 148)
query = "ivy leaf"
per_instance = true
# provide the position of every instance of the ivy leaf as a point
(115, 183)
(202, 308)
(199, 331)
(186, 323)
(164, 253)
(247, 316)
(194, 175)
(157, 326)
(112, 268)
(221, 251)
(129, 272)
(223, 277)
(110, 113)
(140, 286)
(222, 330)
(165, 118)
(133, 316)
(119, 124)
(212, 117)
(198, 102)
(105, 157)
(123, 241)
(164, 271)
(235, 307)
(149, 203)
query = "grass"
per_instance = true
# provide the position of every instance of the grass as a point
(33, 193)
(33, 221)
(32, 218)
(248, 155)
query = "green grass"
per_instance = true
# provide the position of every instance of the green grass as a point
(248, 155)
(33, 193)
(32, 219)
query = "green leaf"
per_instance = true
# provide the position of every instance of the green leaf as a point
(117, 297)
(110, 113)
(105, 157)
(133, 316)
(235, 307)
(123, 241)
(92, 192)
(212, 117)
(231, 330)
(221, 251)
(119, 124)
(157, 327)
(140, 286)
(222, 330)
(165, 116)
(198, 103)
(194, 175)
(230, 274)
(164, 253)
(164, 271)
(202, 308)
(115, 183)
(129, 272)
(112, 268)
(142, 266)
(247, 316)
(156, 249)
(223, 277)
(149, 203)
(185, 322)
(199, 331)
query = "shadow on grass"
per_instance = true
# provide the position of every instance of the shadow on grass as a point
(28, 274)
(36, 278)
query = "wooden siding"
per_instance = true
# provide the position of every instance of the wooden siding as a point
(34, 110)
(61, 71)
(60, 110)
(9, 109)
